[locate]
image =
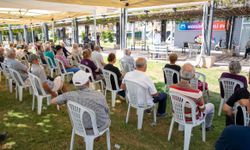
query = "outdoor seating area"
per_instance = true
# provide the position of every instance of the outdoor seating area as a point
(124, 74)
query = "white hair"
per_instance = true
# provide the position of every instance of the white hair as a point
(9, 51)
(187, 75)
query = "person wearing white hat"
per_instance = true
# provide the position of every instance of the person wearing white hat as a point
(89, 98)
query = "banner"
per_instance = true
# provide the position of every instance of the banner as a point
(186, 26)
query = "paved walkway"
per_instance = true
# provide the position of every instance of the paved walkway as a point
(222, 60)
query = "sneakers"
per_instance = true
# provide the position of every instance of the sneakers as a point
(161, 115)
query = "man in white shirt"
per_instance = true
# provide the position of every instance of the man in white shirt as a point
(97, 57)
(128, 61)
(141, 78)
(157, 37)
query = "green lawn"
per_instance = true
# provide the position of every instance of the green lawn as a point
(52, 129)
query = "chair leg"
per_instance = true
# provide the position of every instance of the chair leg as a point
(72, 139)
(16, 92)
(171, 129)
(113, 98)
(154, 113)
(33, 102)
(204, 132)
(39, 105)
(105, 93)
(187, 136)
(89, 142)
(10, 85)
(48, 100)
(20, 93)
(221, 105)
(127, 117)
(140, 113)
(51, 73)
(30, 90)
(108, 140)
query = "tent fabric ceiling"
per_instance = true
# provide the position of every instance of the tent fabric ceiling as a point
(123, 3)
(33, 11)
(39, 11)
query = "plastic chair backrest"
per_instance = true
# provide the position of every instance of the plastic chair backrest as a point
(5, 70)
(87, 69)
(107, 77)
(229, 86)
(195, 80)
(169, 74)
(49, 62)
(125, 67)
(178, 105)
(76, 112)
(136, 94)
(61, 66)
(36, 85)
(16, 77)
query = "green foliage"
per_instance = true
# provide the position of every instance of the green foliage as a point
(83, 35)
(107, 36)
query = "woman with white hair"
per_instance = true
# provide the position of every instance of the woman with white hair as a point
(234, 70)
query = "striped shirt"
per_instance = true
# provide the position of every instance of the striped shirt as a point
(195, 95)
(93, 100)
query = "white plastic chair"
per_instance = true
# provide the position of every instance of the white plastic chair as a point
(92, 80)
(169, 74)
(179, 103)
(76, 112)
(20, 85)
(136, 94)
(245, 114)
(228, 86)
(125, 67)
(51, 67)
(107, 77)
(195, 80)
(38, 92)
(7, 75)
(62, 70)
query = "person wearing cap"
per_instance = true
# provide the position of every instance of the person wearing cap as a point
(13, 63)
(89, 98)
(184, 88)
(51, 87)
(61, 57)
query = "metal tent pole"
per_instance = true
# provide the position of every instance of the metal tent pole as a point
(210, 26)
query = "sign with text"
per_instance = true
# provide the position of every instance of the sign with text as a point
(185, 26)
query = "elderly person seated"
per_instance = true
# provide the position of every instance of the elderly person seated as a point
(65, 51)
(51, 87)
(129, 60)
(141, 78)
(65, 61)
(88, 62)
(173, 58)
(97, 57)
(184, 88)
(11, 62)
(49, 53)
(242, 96)
(39, 52)
(110, 66)
(234, 70)
(89, 98)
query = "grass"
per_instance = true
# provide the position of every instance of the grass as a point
(52, 129)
